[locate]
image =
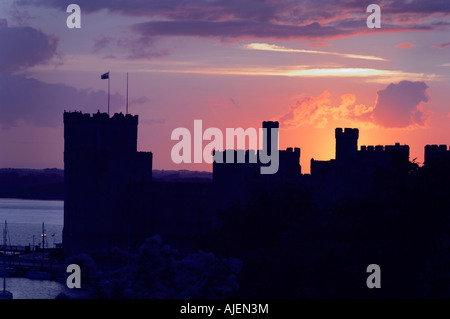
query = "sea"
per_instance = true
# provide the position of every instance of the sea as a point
(25, 221)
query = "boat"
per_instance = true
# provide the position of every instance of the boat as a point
(4, 270)
(39, 274)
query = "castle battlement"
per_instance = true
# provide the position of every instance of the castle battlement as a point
(271, 124)
(294, 151)
(395, 152)
(436, 148)
(384, 148)
(352, 133)
(101, 132)
(83, 117)
(436, 154)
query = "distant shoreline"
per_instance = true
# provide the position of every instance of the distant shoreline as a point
(48, 184)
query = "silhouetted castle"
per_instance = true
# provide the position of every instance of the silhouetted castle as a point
(110, 197)
(102, 172)
(111, 200)
(234, 182)
(356, 174)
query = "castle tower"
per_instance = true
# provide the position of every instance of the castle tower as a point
(101, 170)
(436, 155)
(346, 143)
(267, 137)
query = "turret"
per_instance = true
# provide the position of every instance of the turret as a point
(267, 137)
(346, 143)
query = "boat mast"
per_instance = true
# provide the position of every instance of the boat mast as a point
(43, 236)
(4, 254)
(4, 238)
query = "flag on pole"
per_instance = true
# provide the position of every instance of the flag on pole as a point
(103, 77)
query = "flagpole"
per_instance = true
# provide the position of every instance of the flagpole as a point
(108, 91)
(127, 94)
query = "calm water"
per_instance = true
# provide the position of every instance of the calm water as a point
(25, 218)
(24, 288)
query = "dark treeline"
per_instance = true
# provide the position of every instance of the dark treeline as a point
(45, 184)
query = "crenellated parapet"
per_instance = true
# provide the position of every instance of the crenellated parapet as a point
(100, 132)
(436, 155)
(374, 150)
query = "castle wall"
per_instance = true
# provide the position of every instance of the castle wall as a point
(436, 155)
(234, 182)
(101, 163)
(359, 174)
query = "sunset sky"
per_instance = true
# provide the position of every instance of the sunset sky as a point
(311, 65)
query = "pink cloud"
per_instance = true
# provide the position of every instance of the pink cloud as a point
(442, 46)
(404, 45)
(400, 105)
(319, 44)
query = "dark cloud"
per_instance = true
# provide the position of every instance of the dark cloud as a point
(25, 99)
(136, 47)
(236, 29)
(416, 6)
(102, 43)
(262, 10)
(308, 19)
(42, 104)
(400, 105)
(24, 47)
(141, 47)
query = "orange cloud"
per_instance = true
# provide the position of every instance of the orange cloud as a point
(318, 111)
(309, 110)
(398, 105)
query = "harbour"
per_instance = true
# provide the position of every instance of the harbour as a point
(30, 261)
